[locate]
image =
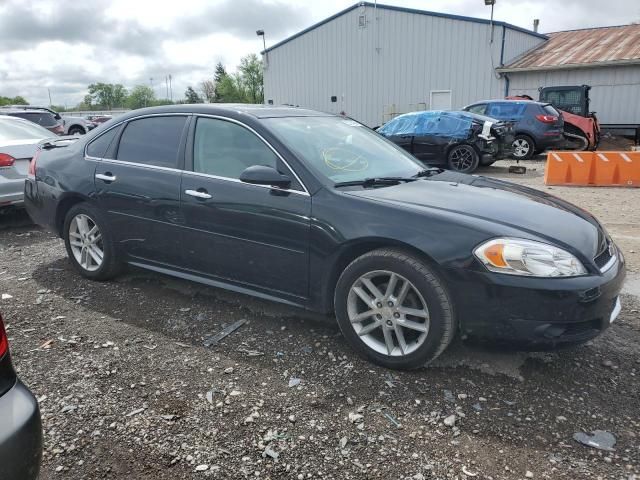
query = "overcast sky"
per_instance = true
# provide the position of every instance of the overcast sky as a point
(65, 45)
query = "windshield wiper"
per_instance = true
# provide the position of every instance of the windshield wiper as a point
(372, 182)
(428, 172)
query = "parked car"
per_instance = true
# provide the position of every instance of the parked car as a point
(18, 143)
(77, 125)
(317, 211)
(98, 119)
(47, 119)
(20, 425)
(456, 140)
(538, 126)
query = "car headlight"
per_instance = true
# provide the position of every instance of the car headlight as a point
(516, 256)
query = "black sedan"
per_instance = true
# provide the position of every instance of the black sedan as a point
(459, 141)
(20, 427)
(319, 212)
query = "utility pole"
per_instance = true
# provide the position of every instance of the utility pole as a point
(50, 102)
(170, 90)
(166, 84)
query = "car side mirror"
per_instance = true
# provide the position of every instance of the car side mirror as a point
(264, 175)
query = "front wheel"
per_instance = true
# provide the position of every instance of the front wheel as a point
(89, 244)
(463, 158)
(393, 309)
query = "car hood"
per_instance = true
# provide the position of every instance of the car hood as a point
(530, 211)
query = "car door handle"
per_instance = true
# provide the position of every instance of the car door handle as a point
(106, 177)
(197, 193)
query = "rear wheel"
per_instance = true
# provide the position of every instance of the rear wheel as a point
(463, 158)
(76, 131)
(523, 147)
(393, 309)
(89, 244)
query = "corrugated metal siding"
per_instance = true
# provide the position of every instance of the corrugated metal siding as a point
(615, 92)
(517, 43)
(390, 65)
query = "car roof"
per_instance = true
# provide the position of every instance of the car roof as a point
(9, 110)
(229, 109)
(506, 100)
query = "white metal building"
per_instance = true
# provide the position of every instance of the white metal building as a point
(375, 61)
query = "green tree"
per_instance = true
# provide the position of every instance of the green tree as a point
(19, 100)
(141, 96)
(108, 95)
(219, 75)
(230, 90)
(191, 96)
(250, 70)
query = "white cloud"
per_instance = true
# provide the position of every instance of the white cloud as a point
(71, 44)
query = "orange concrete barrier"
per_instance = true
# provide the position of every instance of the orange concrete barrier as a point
(610, 169)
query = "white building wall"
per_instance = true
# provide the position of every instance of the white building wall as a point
(615, 92)
(389, 66)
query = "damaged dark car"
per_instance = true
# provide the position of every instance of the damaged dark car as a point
(456, 140)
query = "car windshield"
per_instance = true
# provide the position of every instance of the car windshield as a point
(15, 129)
(342, 150)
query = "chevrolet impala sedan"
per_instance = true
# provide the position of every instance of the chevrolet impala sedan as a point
(320, 212)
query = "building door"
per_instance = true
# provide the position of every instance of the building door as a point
(440, 100)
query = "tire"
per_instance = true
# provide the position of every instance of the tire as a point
(463, 159)
(110, 265)
(425, 290)
(76, 131)
(523, 147)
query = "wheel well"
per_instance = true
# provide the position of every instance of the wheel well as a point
(529, 137)
(353, 251)
(75, 126)
(63, 208)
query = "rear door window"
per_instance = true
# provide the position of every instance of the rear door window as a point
(506, 110)
(152, 141)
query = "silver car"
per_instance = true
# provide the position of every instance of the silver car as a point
(18, 143)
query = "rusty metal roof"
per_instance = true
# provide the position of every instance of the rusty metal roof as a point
(582, 48)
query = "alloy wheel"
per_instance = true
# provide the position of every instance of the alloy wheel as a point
(388, 313)
(462, 158)
(85, 241)
(521, 148)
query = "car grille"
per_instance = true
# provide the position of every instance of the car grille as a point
(606, 257)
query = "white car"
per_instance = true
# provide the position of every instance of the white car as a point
(19, 141)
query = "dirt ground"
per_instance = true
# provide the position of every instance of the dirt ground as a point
(128, 391)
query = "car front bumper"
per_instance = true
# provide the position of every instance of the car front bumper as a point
(535, 311)
(20, 434)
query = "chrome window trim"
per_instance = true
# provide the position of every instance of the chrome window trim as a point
(236, 180)
(304, 192)
(237, 122)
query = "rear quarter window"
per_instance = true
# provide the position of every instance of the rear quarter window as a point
(550, 110)
(99, 147)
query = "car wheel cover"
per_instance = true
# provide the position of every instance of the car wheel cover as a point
(85, 241)
(521, 147)
(462, 158)
(388, 313)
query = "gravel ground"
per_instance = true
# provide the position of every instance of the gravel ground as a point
(127, 389)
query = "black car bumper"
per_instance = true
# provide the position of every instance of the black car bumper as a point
(535, 311)
(20, 434)
(555, 140)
